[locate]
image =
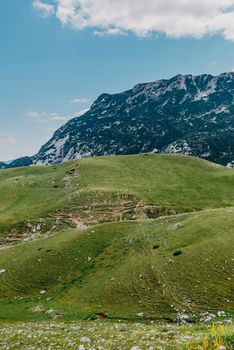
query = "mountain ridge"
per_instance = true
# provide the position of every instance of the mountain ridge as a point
(187, 114)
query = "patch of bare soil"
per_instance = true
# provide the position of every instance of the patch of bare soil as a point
(80, 224)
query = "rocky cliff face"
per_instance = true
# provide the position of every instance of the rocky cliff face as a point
(192, 115)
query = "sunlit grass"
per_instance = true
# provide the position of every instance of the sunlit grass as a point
(112, 336)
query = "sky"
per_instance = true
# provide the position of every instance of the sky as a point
(58, 56)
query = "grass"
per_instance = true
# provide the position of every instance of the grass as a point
(133, 262)
(33, 192)
(106, 189)
(109, 336)
(183, 183)
(113, 268)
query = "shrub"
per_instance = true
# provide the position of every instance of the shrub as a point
(177, 253)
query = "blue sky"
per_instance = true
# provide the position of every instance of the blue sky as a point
(51, 69)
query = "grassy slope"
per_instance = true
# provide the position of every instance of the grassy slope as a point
(113, 268)
(32, 192)
(179, 182)
(170, 181)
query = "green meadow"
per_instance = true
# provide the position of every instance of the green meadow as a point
(142, 239)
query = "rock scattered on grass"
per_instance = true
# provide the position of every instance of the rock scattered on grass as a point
(85, 340)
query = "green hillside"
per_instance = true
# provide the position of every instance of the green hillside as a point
(130, 260)
(108, 189)
(179, 182)
(127, 268)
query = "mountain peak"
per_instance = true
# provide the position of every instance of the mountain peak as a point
(188, 114)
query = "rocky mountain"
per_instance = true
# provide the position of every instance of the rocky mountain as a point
(3, 165)
(23, 161)
(192, 115)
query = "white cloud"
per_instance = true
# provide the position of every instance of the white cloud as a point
(233, 69)
(45, 8)
(59, 117)
(33, 114)
(80, 100)
(80, 113)
(180, 18)
(46, 117)
(9, 140)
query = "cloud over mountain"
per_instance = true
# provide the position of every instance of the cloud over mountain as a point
(181, 18)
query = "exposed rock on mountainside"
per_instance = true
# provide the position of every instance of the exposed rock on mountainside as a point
(192, 115)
